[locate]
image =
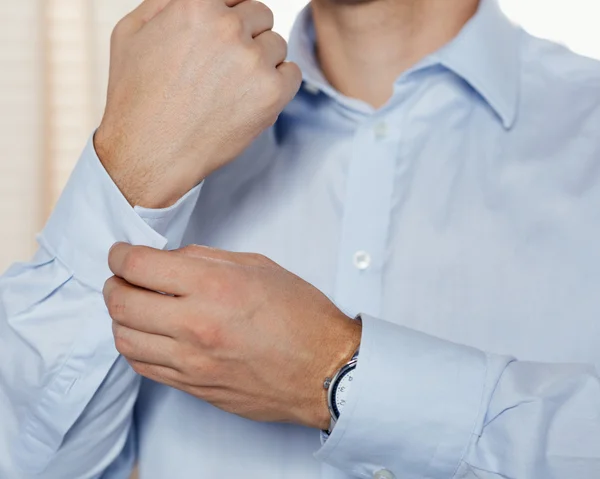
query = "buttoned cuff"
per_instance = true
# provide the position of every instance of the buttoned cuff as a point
(172, 222)
(414, 404)
(92, 215)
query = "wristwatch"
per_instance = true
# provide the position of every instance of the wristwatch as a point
(338, 388)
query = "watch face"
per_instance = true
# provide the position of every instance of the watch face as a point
(341, 391)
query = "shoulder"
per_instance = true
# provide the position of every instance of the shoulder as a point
(556, 60)
(556, 134)
(559, 81)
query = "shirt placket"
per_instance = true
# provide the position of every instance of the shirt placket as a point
(366, 218)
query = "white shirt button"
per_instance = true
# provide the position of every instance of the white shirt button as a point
(384, 474)
(362, 260)
(381, 130)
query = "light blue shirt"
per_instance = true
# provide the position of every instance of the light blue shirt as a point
(462, 219)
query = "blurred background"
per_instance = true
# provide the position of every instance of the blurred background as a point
(53, 74)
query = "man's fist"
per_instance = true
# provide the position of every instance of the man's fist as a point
(192, 84)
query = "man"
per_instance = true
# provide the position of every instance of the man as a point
(437, 176)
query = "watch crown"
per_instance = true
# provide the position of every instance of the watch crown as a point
(327, 383)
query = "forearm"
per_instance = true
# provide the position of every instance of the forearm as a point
(424, 407)
(56, 352)
(66, 395)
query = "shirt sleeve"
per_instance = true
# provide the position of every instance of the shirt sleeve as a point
(424, 407)
(61, 378)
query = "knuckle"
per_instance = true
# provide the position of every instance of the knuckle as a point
(258, 259)
(191, 12)
(209, 335)
(266, 11)
(109, 285)
(118, 31)
(115, 302)
(295, 75)
(140, 368)
(121, 346)
(271, 90)
(121, 343)
(121, 31)
(133, 261)
(192, 250)
(136, 366)
(279, 42)
(230, 27)
(253, 56)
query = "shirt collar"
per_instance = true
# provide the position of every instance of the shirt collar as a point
(485, 54)
(301, 50)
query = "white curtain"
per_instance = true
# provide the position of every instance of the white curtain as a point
(53, 72)
(53, 64)
(21, 128)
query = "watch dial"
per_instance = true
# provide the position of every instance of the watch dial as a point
(341, 391)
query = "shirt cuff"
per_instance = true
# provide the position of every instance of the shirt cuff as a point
(414, 404)
(172, 222)
(92, 215)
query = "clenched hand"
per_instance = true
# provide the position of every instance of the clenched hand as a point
(236, 330)
(192, 84)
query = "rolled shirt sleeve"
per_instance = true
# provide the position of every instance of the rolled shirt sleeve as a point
(424, 407)
(60, 376)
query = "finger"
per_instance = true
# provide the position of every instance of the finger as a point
(256, 16)
(209, 390)
(205, 252)
(144, 347)
(292, 79)
(144, 13)
(140, 309)
(150, 268)
(273, 47)
(161, 374)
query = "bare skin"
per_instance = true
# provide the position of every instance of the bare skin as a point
(364, 45)
(189, 76)
(237, 330)
(192, 84)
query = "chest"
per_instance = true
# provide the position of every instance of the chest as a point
(479, 239)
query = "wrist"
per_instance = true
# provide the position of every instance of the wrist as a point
(339, 350)
(142, 180)
(121, 166)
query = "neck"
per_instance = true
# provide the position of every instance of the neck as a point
(363, 46)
